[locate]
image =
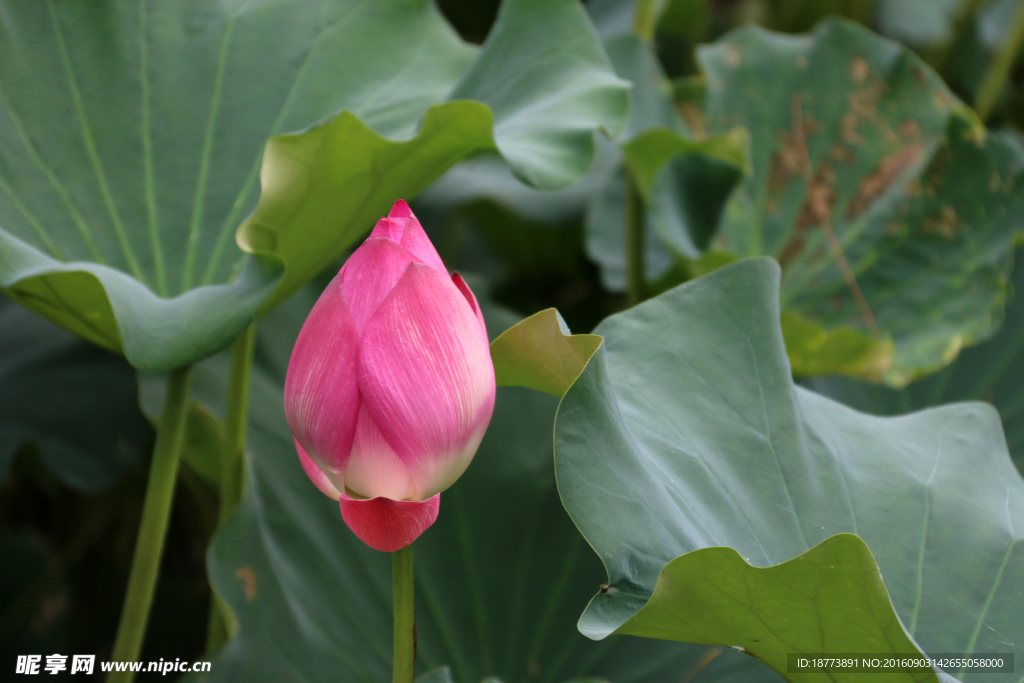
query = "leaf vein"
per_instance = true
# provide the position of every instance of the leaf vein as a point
(90, 146)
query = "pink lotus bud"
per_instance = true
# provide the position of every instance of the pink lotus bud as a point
(390, 386)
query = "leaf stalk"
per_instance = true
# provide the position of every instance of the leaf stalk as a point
(636, 287)
(645, 19)
(999, 70)
(222, 624)
(156, 512)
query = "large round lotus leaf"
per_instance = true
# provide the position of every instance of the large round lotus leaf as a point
(132, 138)
(990, 372)
(855, 137)
(730, 506)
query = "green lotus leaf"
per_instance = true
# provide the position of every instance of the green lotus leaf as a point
(75, 404)
(815, 351)
(541, 354)
(713, 595)
(989, 372)
(890, 208)
(132, 138)
(722, 498)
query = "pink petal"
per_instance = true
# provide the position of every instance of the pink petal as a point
(389, 525)
(389, 227)
(374, 469)
(315, 474)
(426, 378)
(416, 241)
(468, 293)
(400, 209)
(369, 275)
(321, 396)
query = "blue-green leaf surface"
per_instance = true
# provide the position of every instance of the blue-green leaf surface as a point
(132, 137)
(75, 404)
(854, 136)
(685, 444)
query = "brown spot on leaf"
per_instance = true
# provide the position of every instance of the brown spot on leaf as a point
(801, 62)
(793, 161)
(821, 198)
(859, 70)
(790, 155)
(941, 100)
(841, 153)
(848, 129)
(878, 182)
(863, 101)
(787, 163)
(810, 125)
(694, 119)
(944, 224)
(890, 134)
(910, 129)
(248, 577)
(862, 109)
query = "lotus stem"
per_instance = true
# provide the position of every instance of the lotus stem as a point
(156, 512)
(999, 70)
(635, 266)
(221, 624)
(645, 20)
(405, 615)
(232, 471)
